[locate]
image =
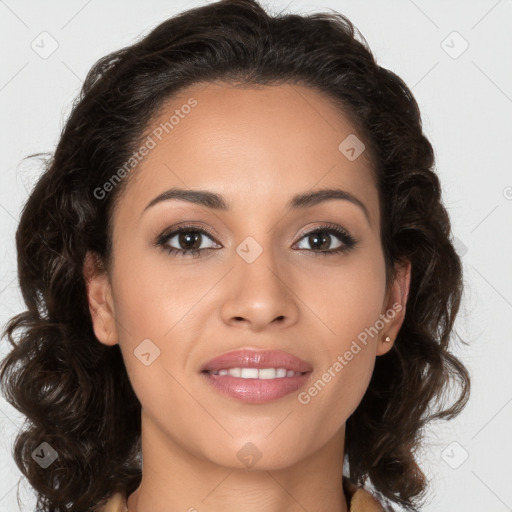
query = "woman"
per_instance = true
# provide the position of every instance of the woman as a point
(239, 278)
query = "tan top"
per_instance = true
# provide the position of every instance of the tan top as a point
(359, 500)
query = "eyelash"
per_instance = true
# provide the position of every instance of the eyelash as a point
(348, 240)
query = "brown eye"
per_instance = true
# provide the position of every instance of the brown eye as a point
(321, 240)
(185, 240)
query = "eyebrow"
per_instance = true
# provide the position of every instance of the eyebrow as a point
(218, 202)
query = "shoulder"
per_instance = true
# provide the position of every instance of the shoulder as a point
(359, 499)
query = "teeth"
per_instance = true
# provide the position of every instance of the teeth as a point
(257, 373)
(266, 373)
(249, 373)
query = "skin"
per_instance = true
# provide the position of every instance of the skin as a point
(258, 147)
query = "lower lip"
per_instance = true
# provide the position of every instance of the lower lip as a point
(256, 391)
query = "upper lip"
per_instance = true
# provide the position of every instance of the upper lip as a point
(247, 358)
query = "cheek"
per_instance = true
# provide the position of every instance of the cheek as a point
(350, 319)
(156, 303)
(153, 294)
(348, 297)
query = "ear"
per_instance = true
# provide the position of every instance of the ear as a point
(395, 303)
(99, 296)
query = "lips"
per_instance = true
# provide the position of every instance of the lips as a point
(257, 359)
(268, 375)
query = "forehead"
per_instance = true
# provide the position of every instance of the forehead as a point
(258, 144)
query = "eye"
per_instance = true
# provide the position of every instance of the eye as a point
(189, 237)
(321, 240)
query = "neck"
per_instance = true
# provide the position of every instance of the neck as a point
(175, 480)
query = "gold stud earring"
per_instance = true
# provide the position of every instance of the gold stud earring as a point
(387, 339)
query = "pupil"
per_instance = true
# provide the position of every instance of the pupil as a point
(313, 240)
(187, 238)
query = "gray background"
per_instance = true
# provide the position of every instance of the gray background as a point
(466, 103)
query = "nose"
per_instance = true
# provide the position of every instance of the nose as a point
(260, 294)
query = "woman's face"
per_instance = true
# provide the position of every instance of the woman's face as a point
(261, 282)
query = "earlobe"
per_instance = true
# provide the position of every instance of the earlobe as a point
(395, 306)
(99, 297)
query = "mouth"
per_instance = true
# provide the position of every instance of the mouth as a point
(256, 376)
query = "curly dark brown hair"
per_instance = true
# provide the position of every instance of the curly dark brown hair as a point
(75, 391)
